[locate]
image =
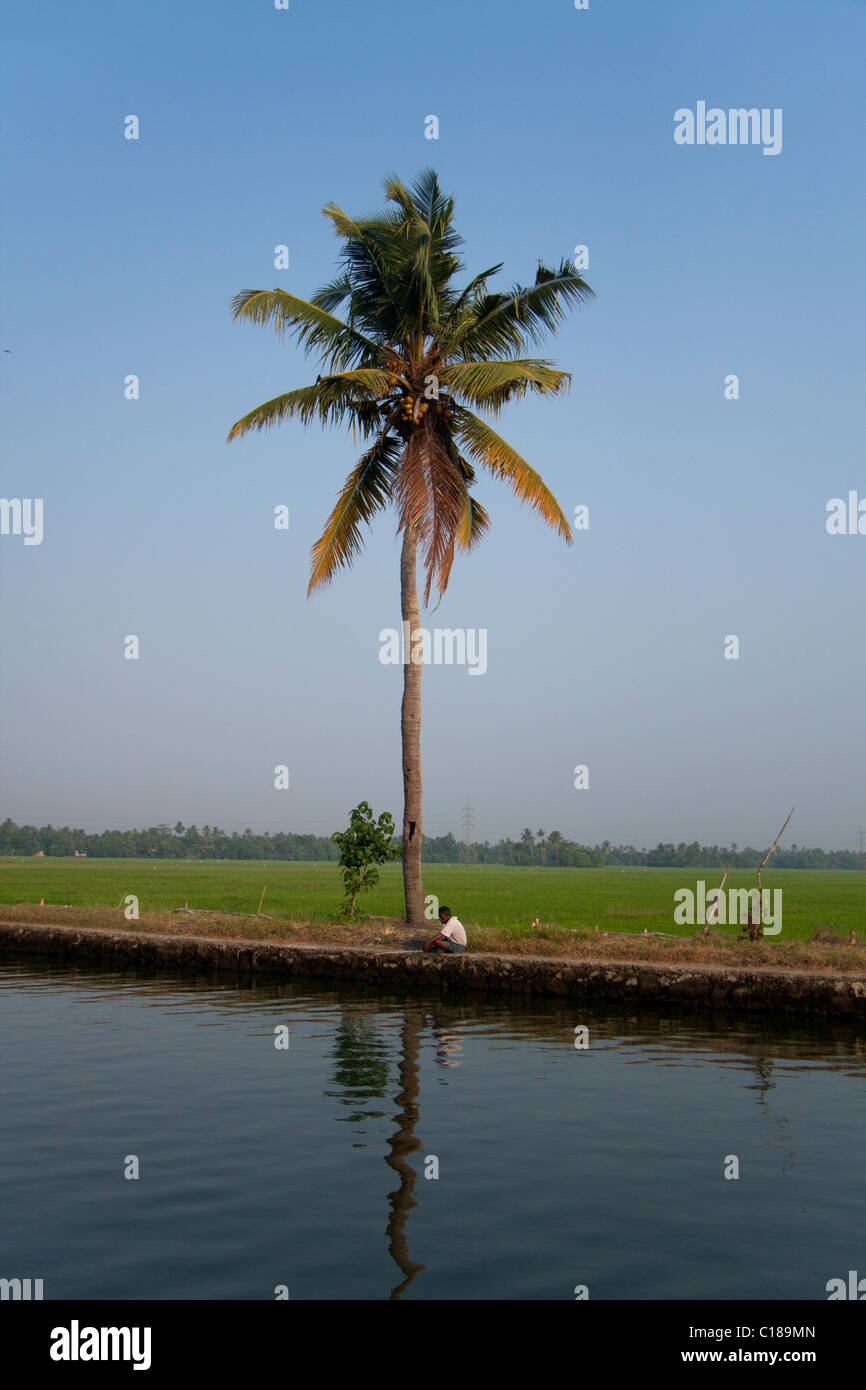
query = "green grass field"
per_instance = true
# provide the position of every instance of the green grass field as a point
(614, 899)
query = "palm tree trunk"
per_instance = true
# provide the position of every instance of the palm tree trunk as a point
(410, 727)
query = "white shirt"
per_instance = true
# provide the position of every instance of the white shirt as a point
(455, 930)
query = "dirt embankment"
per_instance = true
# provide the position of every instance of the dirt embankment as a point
(745, 985)
(543, 940)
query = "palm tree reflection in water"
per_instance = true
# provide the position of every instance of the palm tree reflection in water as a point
(362, 1073)
(403, 1143)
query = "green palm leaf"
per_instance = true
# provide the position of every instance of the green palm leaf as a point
(490, 450)
(314, 328)
(365, 492)
(526, 314)
(491, 385)
(474, 524)
(329, 400)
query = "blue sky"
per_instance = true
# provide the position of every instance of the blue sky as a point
(707, 516)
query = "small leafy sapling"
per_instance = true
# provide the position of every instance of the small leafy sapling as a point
(366, 844)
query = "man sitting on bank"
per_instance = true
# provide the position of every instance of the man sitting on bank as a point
(451, 938)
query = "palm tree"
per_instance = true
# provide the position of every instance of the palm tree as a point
(406, 367)
(527, 841)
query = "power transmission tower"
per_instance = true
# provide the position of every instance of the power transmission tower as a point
(861, 841)
(467, 825)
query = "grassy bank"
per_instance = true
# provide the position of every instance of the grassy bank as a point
(623, 900)
(498, 906)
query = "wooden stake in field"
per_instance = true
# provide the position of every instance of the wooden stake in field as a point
(713, 909)
(261, 900)
(773, 845)
(756, 929)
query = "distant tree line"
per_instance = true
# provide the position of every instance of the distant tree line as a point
(539, 848)
(163, 842)
(554, 850)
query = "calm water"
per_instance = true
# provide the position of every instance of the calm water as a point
(306, 1167)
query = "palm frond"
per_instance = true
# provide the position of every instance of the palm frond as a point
(376, 260)
(474, 524)
(506, 322)
(428, 232)
(314, 328)
(329, 400)
(477, 285)
(431, 498)
(366, 491)
(490, 450)
(490, 385)
(332, 295)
